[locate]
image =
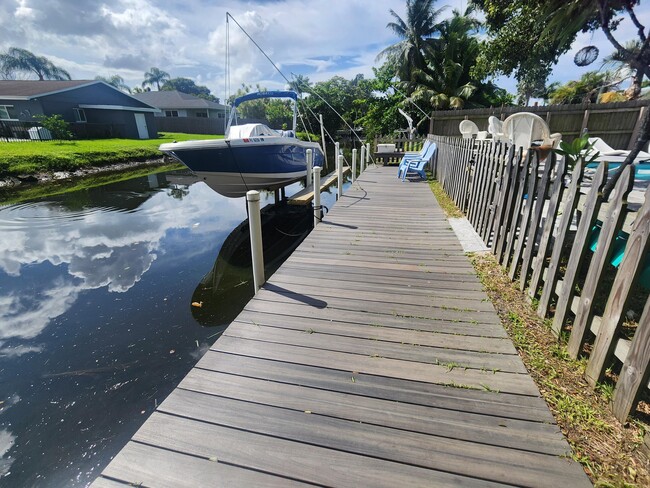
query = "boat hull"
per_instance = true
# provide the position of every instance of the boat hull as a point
(232, 167)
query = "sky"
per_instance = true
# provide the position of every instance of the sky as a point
(316, 38)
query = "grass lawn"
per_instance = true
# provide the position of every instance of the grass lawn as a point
(30, 157)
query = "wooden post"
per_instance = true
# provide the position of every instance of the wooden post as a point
(354, 164)
(255, 226)
(634, 375)
(317, 205)
(310, 165)
(367, 153)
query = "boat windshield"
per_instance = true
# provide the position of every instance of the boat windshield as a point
(251, 130)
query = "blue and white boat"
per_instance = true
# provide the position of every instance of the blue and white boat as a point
(251, 156)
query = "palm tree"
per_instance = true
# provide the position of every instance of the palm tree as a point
(17, 60)
(155, 76)
(116, 81)
(300, 84)
(416, 34)
(629, 65)
(447, 81)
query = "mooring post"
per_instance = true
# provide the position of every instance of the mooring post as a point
(354, 164)
(362, 159)
(310, 164)
(255, 226)
(340, 176)
(317, 206)
(367, 153)
(336, 156)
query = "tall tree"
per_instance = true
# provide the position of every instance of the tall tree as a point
(417, 37)
(186, 85)
(155, 76)
(300, 84)
(17, 60)
(116, 81)
(446, 81)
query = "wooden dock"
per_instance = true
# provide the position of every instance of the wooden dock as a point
(372, 357)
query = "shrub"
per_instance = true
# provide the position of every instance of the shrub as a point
(58, 127)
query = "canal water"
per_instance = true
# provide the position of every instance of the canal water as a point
(97, 322)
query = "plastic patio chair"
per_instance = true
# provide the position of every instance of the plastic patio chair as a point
(608, 153)
(419, 154)
(468, 129)
(416, 166)
(495, 127)
(524, 128)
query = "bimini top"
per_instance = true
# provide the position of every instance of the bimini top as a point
(265, 94)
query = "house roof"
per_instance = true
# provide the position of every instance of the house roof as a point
(26, 89)
(173, 99)
(30, 89)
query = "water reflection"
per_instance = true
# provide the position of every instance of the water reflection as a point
(96, 322)
(283, 228)
(96, 326)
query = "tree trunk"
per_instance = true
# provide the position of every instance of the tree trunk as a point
(644, 136)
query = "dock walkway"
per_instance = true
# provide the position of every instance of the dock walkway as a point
(372, 357)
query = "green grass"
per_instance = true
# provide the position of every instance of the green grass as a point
(11, 196)
(447, 204)
(31, 157)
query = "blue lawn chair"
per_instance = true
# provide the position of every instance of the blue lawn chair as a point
(416, 166)
(417, 155)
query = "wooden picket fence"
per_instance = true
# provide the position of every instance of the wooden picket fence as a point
(526, 205)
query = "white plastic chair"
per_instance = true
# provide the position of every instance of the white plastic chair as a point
(468, 129)
(523, 128)
(495, 127)
(608, 153)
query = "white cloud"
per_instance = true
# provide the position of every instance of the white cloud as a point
(310, 37)
(100, 248)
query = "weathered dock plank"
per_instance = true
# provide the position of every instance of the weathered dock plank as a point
(371, 358)
(306, 195)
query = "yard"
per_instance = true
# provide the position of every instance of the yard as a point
(21, 158)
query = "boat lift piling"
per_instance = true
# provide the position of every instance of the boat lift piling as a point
(362, 158)
(310, 165)
(255, 225)
(354, 164)
(339, 176)
(317, 206)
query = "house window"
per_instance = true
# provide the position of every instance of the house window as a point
(202, 114)
(171, 113)
(4, 112)
(79, 115)
(221, 115)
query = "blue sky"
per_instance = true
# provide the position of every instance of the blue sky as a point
(187, 38)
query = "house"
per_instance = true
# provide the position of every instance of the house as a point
(181, 112)
(177, 104)
(93, 108)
